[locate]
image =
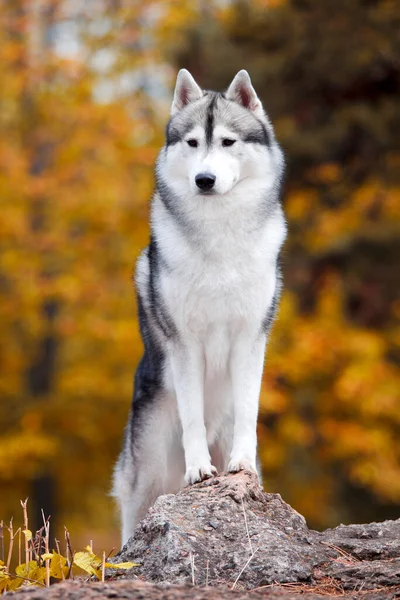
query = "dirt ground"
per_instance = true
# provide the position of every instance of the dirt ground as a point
(139, 590)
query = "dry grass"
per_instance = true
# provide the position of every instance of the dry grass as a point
(42, 565)
(344, 557)
(327, 586)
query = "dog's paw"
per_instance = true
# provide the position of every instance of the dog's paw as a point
(242, 464)
(196, 474)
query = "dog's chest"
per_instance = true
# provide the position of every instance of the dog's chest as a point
(219, 288)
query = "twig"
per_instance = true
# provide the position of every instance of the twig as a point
(192, 566)
(103, 566)
(345, 554)
(67, 545)
(26, 528)
(10, 548)
(247, 563)
(109, 554)
(19, 546)
(1, 541)
(361, 586)
(247, 528)
(329, 587)
(19, 537)
(47, 549)
(36, 544)
(68, 553)
(59, 558)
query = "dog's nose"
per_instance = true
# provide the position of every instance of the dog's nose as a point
(205, 181)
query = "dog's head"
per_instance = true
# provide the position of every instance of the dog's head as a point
(216, 141)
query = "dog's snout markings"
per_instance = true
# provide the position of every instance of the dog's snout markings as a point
(205, 181)
(208, 287)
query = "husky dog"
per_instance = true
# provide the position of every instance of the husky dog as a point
(208, 285)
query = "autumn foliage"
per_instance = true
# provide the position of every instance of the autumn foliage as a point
(79, 134)
(37, 565)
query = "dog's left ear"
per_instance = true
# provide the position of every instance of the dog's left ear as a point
(242, 92)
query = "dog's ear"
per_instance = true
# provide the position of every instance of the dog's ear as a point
(242, 92)
(186, 91)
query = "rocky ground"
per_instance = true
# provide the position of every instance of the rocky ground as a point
(227, 538)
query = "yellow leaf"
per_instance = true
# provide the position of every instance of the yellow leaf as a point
(31, 571)
(22, 570)
(125, 565)
(89, 562)
(47, 556)
(28, 534)
(4, 580)
(58, 567)
(15, 584)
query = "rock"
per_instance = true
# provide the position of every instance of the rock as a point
(227, 530)
(176, 543)
(367, 542)
(367, 554)
(227, 533)
(139, 590)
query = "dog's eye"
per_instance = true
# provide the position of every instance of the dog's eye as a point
(193, 143)
(228, 142)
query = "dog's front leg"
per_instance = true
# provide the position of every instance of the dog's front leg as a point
(188, 374)
(247, 363)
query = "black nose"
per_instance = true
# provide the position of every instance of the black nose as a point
(205, 181)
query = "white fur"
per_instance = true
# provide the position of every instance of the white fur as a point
(218, 300)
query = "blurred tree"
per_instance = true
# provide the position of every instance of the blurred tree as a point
(329, 76)
(79, 132)
(78, 139)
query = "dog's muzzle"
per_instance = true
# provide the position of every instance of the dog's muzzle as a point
(205, 181)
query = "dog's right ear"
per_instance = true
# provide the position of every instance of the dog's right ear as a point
(186, 91)
(242, 92)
